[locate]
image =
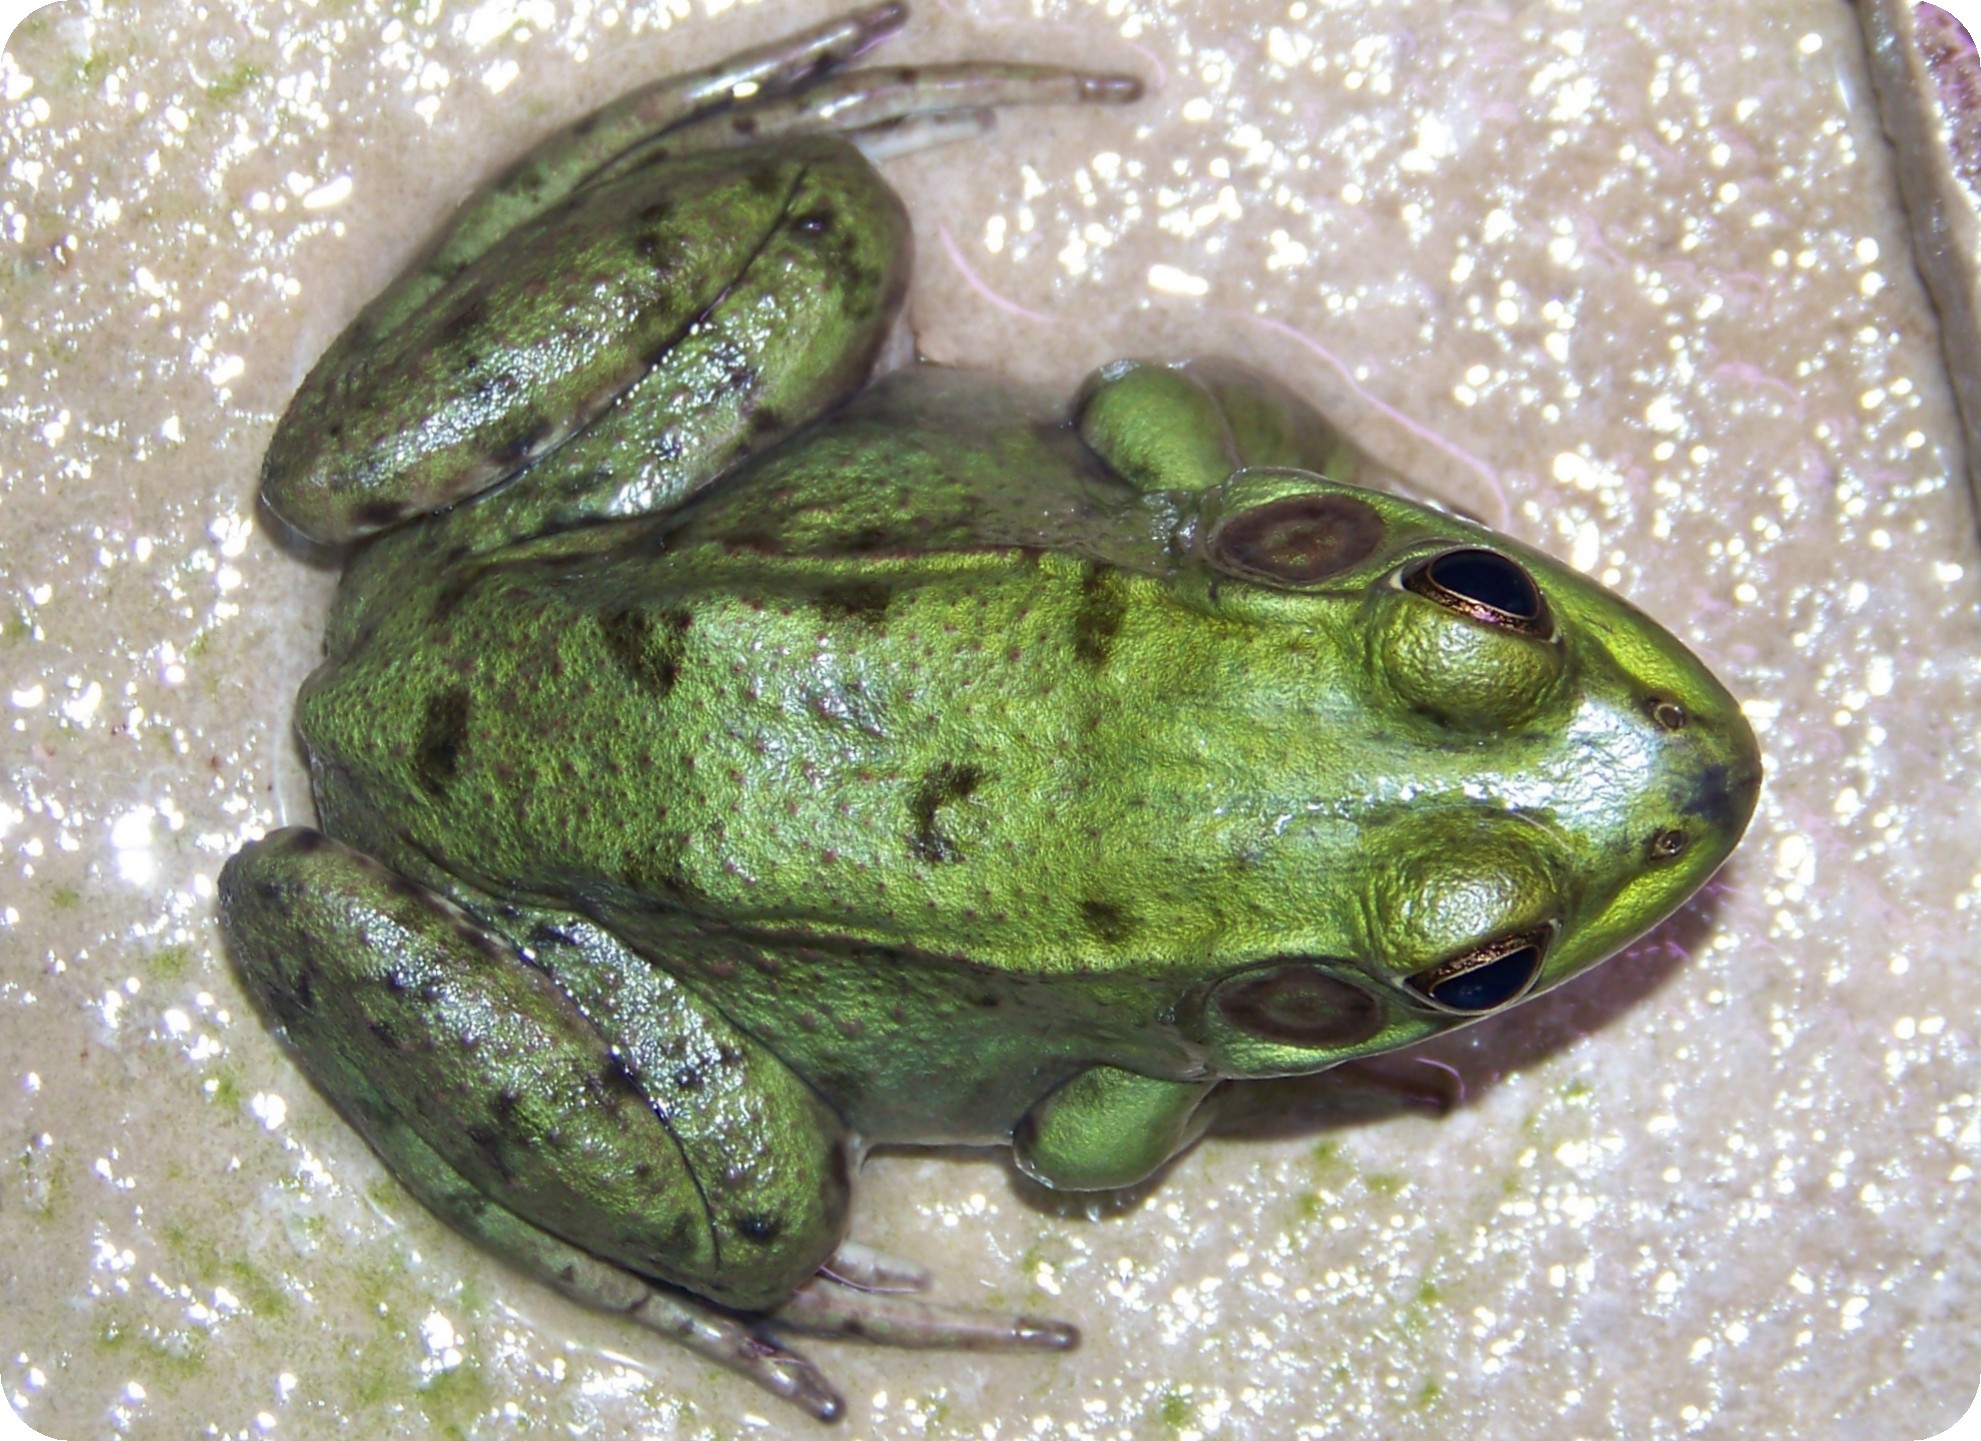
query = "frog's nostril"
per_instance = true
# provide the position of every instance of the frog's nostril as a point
(1669, 714)
(1668, 844)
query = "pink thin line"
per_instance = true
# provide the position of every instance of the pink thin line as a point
(1162, 71)
(1742, 371)
(1485, 472)
(1451, 1071)
(963, 267)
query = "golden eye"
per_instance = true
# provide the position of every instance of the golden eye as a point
(1485, 978)
(1484, 586)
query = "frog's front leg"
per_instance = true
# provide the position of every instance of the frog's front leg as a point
(1107, 1128)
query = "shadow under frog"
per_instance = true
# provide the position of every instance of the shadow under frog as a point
(726, 765)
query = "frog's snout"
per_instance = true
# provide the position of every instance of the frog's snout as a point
(1726, 772)
(1725, 796)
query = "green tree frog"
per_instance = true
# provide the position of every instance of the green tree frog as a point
(725, 765)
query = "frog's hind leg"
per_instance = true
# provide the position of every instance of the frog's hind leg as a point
(715, 1335)
(892, 110)
(575, 155)
(828, 1306)
(569, 1106)
(652, 295)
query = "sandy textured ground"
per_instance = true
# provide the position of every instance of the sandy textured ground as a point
(1630, 279)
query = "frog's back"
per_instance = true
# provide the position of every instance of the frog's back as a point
(849, 688)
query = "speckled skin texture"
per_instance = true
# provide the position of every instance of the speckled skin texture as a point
(1638, 286)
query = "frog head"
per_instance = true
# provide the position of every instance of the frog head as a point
(1547, 773)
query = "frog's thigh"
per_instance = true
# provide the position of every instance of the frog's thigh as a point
(400, 1006)
(1107, 1128)
(792, 334)
(756, 283)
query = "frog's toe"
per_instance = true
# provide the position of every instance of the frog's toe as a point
(731, 1343)
(892, 110)
(825, 1306)
(865, 1269)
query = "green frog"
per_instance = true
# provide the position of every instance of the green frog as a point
(726, 765)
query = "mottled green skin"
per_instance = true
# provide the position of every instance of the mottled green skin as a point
(722, 796)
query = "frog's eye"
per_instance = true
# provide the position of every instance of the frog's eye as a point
(1485, 978)
(1484, 652)
(1484, 586)
(1297, 1003)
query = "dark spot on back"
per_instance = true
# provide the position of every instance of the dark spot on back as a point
(488, 1143)
(814, 222)
(648, 653)
(467, 317)
(753, 536)
(519, 174)
(305, 842)
(544, 935)
(377, 514)
(452, 591)
(443, 737)
(661, 878)
(865, 601)
(761, 1229)
(942, 785)
(744, 125)
(659, 252)
(1098, 621)
(1107, 920)
(532, 440)
(620, 1077)
(677, 1237)
(866, 539)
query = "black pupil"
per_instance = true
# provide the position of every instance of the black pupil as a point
(1488, 579)
(1488, 987)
